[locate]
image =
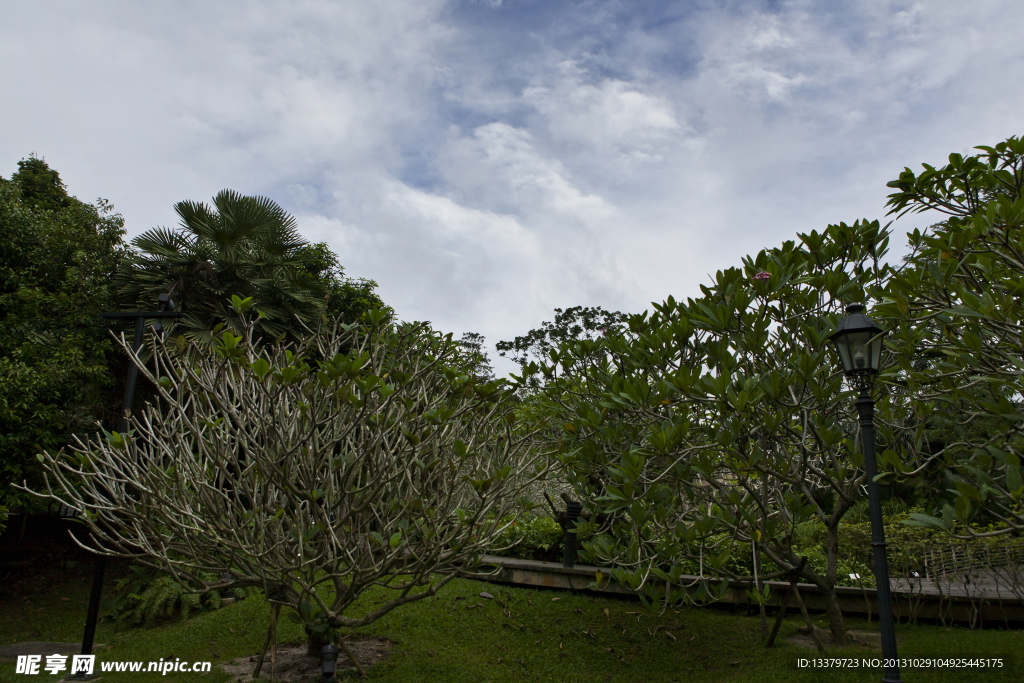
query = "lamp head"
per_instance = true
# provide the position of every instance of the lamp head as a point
(858, 340)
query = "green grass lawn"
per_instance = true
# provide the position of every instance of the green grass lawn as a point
(521, 635)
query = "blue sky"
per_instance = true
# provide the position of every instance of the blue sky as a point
(486, 162)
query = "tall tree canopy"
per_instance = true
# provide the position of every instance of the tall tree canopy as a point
(58, 256)
(244, 246)
(956, 311)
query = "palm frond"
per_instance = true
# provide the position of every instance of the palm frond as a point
(199, 219)
(163, 242)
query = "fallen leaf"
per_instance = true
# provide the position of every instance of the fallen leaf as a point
(430, 652)
(555, 599)
(736, 662)
(487, 595)
(499, 660)
(670, 636)
(606, 614)
(690, 639)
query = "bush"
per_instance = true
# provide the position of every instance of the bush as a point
(531, 538)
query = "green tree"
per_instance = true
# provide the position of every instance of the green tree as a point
(957, 311)
(570, 325)
(472, 345)
(58, 256)
(244, 246)
(708, 430)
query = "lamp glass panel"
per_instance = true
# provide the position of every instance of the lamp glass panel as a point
(844, 354)
(876, 354)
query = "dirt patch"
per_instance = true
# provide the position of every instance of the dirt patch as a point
(293, 665)
(869, 640)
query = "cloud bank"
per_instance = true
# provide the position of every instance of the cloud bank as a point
(486, 162)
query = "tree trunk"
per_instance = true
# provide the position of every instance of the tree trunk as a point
(828, 593)
(315, 643)
(832, 560)
(835, 616)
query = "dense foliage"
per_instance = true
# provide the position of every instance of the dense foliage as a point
(245, 246)
(956, 311)
(721, 425)
(63, 262)
(58, 257)
(722, 421)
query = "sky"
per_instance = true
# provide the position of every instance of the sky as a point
(487, 161)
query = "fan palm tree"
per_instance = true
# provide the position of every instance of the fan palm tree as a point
(247, 246)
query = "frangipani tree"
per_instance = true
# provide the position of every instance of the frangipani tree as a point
(957, 312)
(385, 465)
(717, 425)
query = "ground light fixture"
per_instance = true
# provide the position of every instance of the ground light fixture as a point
(858, 340)
(328, 663)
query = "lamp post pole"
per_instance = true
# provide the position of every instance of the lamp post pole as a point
(99, 567)
(858, 341)
(866, 410)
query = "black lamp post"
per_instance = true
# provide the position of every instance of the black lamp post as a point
(572, 515)
(859, 342)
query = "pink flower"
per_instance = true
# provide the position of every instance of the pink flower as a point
(761, 276)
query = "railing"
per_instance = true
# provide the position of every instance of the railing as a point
(955, 559)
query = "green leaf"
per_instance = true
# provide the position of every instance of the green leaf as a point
(1013, 479)
(239, 304)
(261, 367)
(919, 519)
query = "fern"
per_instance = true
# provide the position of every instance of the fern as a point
(145, 597)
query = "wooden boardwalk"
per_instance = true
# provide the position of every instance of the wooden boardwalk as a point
(1003, 583)
(984, 598)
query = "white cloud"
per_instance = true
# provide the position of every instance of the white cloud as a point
(611, 116)
(486, 161)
